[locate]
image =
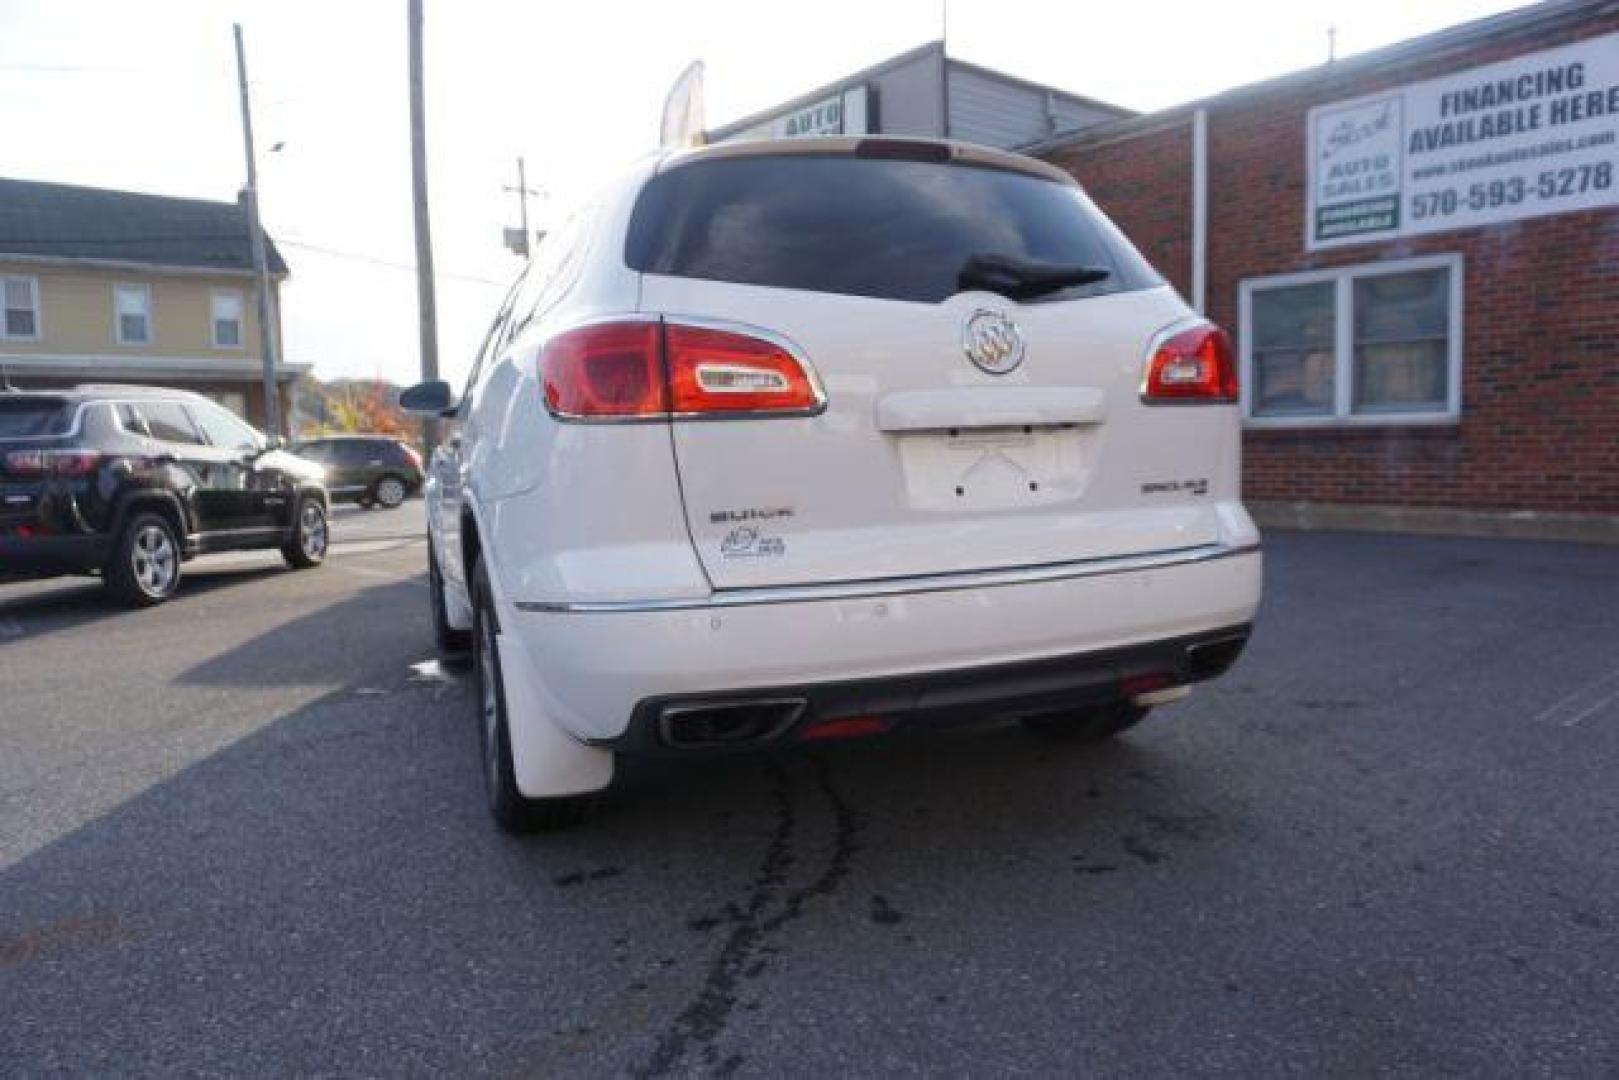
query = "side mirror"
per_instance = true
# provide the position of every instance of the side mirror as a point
(433, 398)
(270, 444)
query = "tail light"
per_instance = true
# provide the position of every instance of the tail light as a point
(412, 456)
(52, 462)
(1195, 366)
(606, 370)
(655, 369)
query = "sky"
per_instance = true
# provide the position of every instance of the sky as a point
(142, 96)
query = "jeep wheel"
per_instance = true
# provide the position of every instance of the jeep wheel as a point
(145, 565)
(310, 537)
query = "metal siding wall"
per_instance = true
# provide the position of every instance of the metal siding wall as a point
(994, 113)
(908, 99)
(998, 113)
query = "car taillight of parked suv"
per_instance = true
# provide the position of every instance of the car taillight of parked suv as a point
(786, 441)
(129, 482)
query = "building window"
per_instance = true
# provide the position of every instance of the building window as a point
(132, 312)
(1373, 344)
(227, 319)
(22, 308)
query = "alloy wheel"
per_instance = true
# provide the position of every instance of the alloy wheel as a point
(312, 531)
(390, 492)
(154, 560)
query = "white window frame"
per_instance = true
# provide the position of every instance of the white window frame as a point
(1343, 279)
(118, 320)
(33, 292)
(241, 318)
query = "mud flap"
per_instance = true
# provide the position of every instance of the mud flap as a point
(547, 761)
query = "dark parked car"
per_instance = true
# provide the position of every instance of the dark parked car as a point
(372, 470)
(129, 482)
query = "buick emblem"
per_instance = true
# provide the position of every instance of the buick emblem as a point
(993, 342)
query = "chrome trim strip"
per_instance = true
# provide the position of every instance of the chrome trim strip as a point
(853, 590)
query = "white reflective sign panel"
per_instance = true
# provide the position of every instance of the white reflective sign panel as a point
(1534, 135)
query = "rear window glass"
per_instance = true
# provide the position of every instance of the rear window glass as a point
(897, 230)
(34, 418)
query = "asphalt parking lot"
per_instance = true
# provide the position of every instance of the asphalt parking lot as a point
(243, 833)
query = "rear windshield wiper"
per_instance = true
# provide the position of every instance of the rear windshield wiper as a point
(1024, 279)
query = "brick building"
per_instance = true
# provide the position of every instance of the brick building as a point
(1417, 251)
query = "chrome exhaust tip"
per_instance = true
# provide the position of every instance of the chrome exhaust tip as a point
(710, 725)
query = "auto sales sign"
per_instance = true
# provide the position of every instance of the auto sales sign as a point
(1537, 134)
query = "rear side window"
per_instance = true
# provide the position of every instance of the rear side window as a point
(223, 429)
(896, 230)
(353, 452)
(34, 418)
(167, 422)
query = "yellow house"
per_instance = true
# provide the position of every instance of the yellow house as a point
(120, 287)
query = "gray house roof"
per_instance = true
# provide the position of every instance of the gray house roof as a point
(63, 221)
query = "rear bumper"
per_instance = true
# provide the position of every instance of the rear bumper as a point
(600, 672)
(682, 724)
(48, 556)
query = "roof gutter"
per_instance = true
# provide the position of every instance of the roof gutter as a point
(35, 259)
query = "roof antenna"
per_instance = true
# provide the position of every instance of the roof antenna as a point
(944, 22)
(1332, 44)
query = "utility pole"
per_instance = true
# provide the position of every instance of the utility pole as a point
(426, 308)
(523, 192)
(269, 346)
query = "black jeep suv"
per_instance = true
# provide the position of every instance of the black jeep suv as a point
(128, 482)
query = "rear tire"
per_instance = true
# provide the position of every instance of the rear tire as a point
(311, 535)
(513, 811)
(390, 492)
(145, 566)
(447, 637)
(1092, 725)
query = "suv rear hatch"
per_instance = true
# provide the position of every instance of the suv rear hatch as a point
(925, 460)
(32, 429)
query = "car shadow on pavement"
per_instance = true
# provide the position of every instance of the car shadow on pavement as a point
(34, 608)
(322, 647)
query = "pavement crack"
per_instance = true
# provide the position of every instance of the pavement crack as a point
(746, 950)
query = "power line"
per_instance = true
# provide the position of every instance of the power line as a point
(389, 263)
(88, 69)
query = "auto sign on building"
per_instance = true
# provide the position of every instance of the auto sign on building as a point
(844, 113)
(1529, 136)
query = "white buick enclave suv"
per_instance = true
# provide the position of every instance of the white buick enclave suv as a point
(807, 439)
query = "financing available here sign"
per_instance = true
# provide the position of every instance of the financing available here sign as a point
(1534, 135)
